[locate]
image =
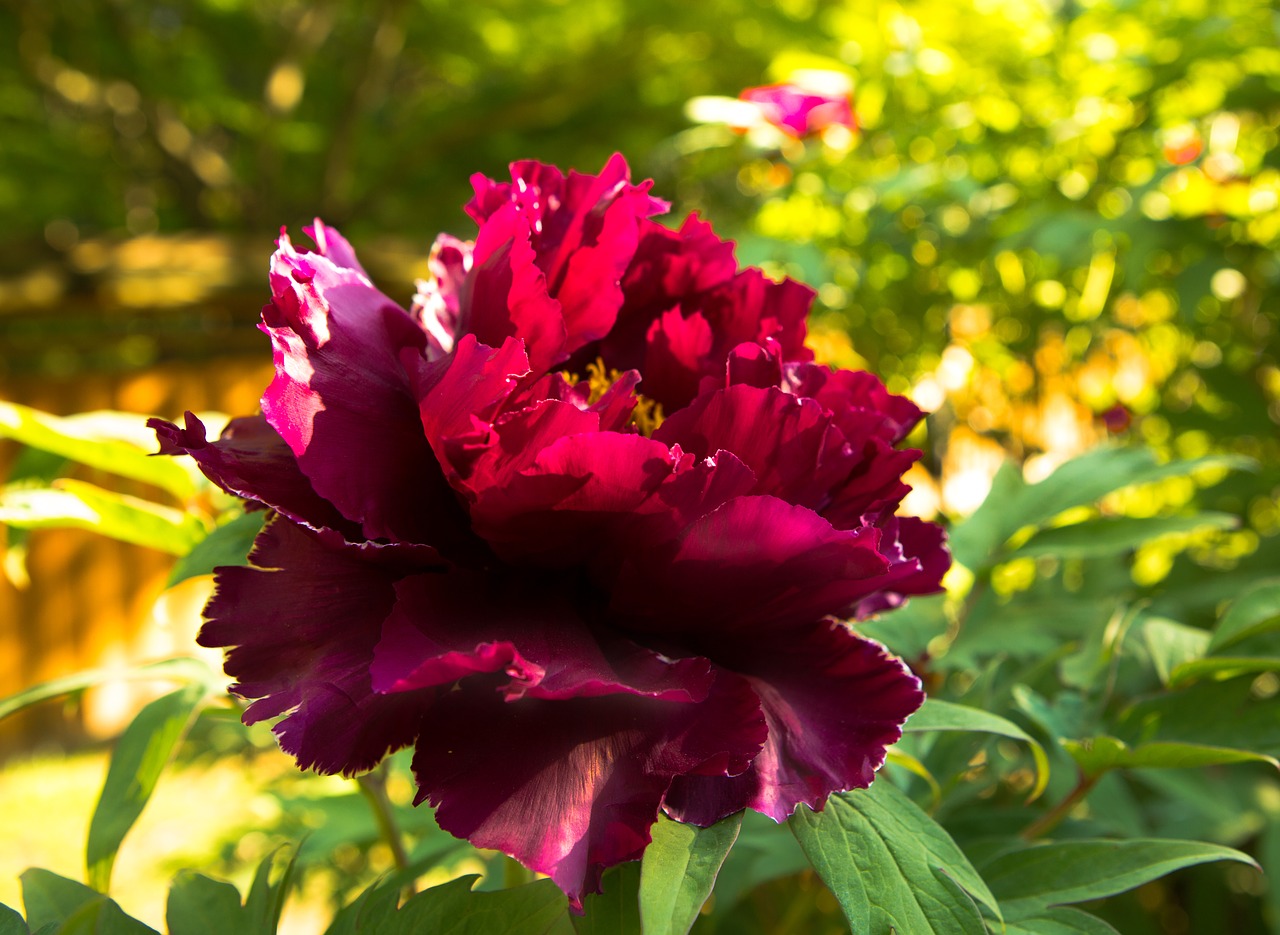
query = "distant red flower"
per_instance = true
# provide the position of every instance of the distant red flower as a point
(801, 112)
(582, 605)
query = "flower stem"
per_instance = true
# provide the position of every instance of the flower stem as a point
(374, 787)
(1052, 818)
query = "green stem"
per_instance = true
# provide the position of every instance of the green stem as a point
(1052, 818)
(374, 787)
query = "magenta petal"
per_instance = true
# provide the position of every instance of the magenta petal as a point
(570, 788)
(342, 402)
(438, 303)
(833, 702)
(250, 460)
(918, 560)
(790, 443)
(753, 564)
(301, 624)
(676, 352)
(447, 626)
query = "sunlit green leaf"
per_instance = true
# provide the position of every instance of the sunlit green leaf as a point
(1062, 920)
(83, 439)
(936, 714)
(228, 544)
(79, 505)
(679, 870)
(1223, 666)
(73, 908)
(1172, 644)
(199, 905)
(1099, 754)
(182, 669)
(1078, 871)
(1255, 611)
(11, 922)
(891, 867)
(1111, 535)
(265, 900)
(140, 756)
(453, 909)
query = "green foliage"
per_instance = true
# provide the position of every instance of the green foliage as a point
(679, 870)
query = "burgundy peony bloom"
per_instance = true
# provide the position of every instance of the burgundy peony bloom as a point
(583, 526)
(801, 112)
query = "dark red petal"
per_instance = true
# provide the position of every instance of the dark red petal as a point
(250, 460)
(751, 565)
(833, 701)
(570, 788)
(437, 304)
(862, 407)
(676, 353)
(791, 443)
(301, 624)
(918, 560)
(448, 626)
(507, 295)
(342, 402)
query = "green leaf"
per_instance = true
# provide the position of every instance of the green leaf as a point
(1224, 666)
(72, 908)
(265, 902)
(1078, 871)
(1172, 644)
(616, 909)
(1099, 754)
(452, 909)
(140, 756)
(936, 714)
(11, 922)
(78, 505)
(228, 544)
(1255, 611)
(892, 867)
(183, 669)
(1109, 536)
(199, 905)
(679, 870)
(87, 439)
(1060, 921)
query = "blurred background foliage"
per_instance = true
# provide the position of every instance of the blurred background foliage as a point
(1056, 225)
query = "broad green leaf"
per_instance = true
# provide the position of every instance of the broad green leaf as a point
(140, 756)
(1255, 611)
(11, 922)
(1111, 535)
(1062, 920)
(72, 908)
(1078, 871)
(1172, 644)
(679, 870)
(616, 909)
(1098, 754)
(892, 867)
(453, 909)
(1215, 713)
(1224, 666)
(1012, 504)
(79, 505)
(182, 669)
(936, 714)
(228, 544)
(199, 905)
(83, 439)
(265, 902)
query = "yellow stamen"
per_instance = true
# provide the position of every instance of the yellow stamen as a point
(646, 416)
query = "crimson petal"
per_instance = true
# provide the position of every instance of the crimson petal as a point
(572, 787)
(342, 400)
(833, 702)
(301, 623)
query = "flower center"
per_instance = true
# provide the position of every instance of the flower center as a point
(646, 416)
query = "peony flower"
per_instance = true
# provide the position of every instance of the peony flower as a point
(800, 111)
(583, 526)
